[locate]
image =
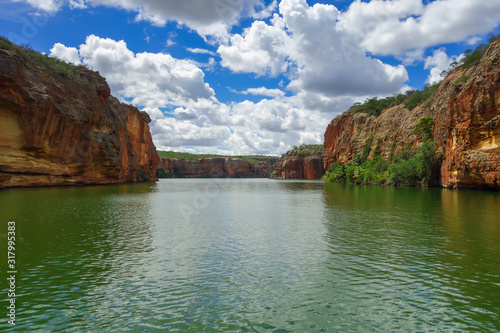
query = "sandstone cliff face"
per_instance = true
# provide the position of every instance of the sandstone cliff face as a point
(60, 131)
(466, 109)
(296, 164)
(219, 167)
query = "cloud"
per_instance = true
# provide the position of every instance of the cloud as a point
(439, 62)
(263, 91)
(267, 11)
(397, 26)
(184, 110)
(261, 49)
(306, 43)
(207, 17)
(148, 79)
(77, 4)
(68, 54)
(200, 51)
(49, 6)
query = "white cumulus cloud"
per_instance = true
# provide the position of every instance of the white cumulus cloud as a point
(396, 26)
(68, 54)
(437, 63)
(322, 57)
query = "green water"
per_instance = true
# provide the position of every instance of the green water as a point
(253, 256)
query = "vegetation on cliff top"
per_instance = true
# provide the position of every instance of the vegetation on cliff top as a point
(472, 57)
(54, 65)
(254, 159)
(308, 150)
(413, 98)
(414, 166)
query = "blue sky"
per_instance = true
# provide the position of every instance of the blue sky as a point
(251, 76)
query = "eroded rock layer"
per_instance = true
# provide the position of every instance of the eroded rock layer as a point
(57, 130)
(466, 110)
(218, 167)
(297, 164)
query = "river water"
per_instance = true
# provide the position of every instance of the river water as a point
(193, 255)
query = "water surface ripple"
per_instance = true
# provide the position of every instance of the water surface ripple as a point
(254, 256)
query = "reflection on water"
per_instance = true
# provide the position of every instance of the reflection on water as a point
(255, 255)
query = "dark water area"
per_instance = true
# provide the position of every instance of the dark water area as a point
(204, 255)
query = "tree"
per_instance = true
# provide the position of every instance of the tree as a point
(424, 127)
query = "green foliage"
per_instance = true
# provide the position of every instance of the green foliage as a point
(474, 57)
(53, 65)
(5, 44)
(189, 156)
(393, 146)
(305, 147)
(307, 150)
(366, 151)
(375, 106)
(414, 167)
(420, 169)
(377, 146)
(162, 173)
(424, 126)
(471, 58)
(178, 173)
(415, 97)
(411, 99)
(254, 159)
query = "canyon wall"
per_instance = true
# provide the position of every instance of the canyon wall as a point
(218, 167)
(300, 164)
(59, 125)
(466, 110)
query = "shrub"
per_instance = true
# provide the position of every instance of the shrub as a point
(415, 98)
(418, 166)
(424, 127)
(162, 173)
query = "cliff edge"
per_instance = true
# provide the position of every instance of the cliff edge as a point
(304, 162)
(217, 167)
(466, 112)
(59, 125)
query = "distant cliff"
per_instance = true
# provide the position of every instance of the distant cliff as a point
(466, 111)
(305, 162)
(216, 167)
(60, 126)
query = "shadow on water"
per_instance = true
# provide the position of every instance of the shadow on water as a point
(71, 241)
(432, 255)
(255, 255)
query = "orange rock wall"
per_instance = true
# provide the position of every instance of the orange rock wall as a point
(60, 131)
(219, 167)
(466, 109)
(294, 166)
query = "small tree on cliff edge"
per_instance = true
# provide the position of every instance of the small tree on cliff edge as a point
(424, 128)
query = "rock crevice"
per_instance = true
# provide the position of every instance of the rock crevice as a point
(60, 130)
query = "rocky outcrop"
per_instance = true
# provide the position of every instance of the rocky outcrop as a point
(466, 110)
(218, 167)
(61, 129)
(300, 164)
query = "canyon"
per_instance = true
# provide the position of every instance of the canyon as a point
(300, 163)
(61, 126)
(218, 167)
(466, 112)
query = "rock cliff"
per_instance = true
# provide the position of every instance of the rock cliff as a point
(60, 126)
(466, 110)
(218, 167)
(301, 163)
